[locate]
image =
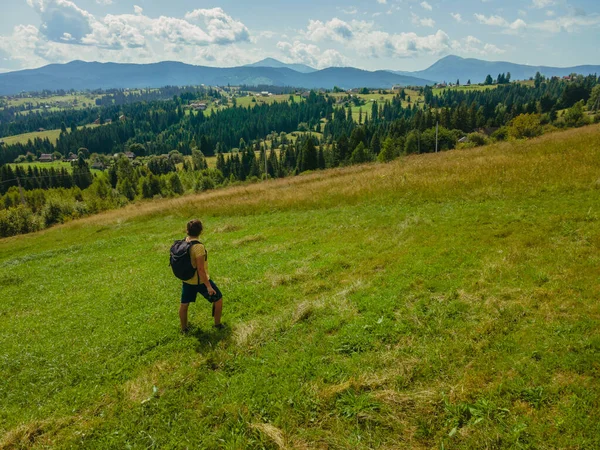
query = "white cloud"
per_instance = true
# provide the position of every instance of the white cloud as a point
(498, 21)
(542, 3)
(363, 38)
(335, 30)
(222, 29)
(568, 24)
(310, 54)
(426, 6)
(550, 13)
(457, 17)
(68, 32)
(104, 2)
(492, 20)
(424, 22)
(382, 2)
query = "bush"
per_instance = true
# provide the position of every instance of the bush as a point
(57, 211)
(575, 117)
(478, 139)
(204, 183)
(525, 126)
(19, 220)
(501, 134)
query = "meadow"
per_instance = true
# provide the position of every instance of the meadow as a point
(442, 300)
(52, 136)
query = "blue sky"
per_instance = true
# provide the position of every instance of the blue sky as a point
(369, 34)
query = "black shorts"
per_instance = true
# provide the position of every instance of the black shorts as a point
(189, 292)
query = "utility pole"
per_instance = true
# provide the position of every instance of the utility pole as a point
(21, 191)
(266, 171)
(436, 137)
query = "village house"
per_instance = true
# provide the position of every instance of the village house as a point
(98, 165)
(72, 157)
(46, 157)
(130, 155)
(198, 106)
(122, 118)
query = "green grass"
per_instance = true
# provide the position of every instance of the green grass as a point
(473, 87)
(88, 99)
(52, 135)
(247, 101)
(440, 301)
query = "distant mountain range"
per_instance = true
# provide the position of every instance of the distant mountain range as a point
(81, 75)
(270, 62)
(452, 68)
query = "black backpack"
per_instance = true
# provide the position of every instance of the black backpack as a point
(180, 260)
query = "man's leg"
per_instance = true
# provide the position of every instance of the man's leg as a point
(218, 308)
(183, 315)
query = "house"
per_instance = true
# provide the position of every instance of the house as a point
(108, 121)
(130, 155)
(97, 122)
(265, 93)
(463, 139)
(198, 106)
(122, 118)
(46, 157)
(72, 157)
(397, 88)
(98, 165)
(41, 129)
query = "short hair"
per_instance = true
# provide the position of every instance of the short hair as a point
(194, 227)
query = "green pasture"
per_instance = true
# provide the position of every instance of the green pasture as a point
(52, 135)
(440, 301)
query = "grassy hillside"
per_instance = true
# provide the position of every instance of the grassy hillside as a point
(441, 301)
(52, 135)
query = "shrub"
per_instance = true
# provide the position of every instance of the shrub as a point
(57, 211)
(525, 126)
(575, 117)
(478, 139)
(19, 220)
(500, 134)
(204, 183)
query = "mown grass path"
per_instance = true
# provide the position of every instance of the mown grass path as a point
(446, 299)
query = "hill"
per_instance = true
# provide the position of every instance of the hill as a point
(451, 68)
(81, 75)
(440, 300)
(271, 62)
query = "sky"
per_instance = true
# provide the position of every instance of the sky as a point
(369, 34)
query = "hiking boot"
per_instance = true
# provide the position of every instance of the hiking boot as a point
(220, 326)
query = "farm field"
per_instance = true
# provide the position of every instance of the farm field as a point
(439, 301)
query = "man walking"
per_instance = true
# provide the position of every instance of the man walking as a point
(190, 255)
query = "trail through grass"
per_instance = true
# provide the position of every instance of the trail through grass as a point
(445, 299)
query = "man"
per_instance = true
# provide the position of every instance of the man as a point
(200, 282)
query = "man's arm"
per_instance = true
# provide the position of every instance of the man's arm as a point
(202, 274)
